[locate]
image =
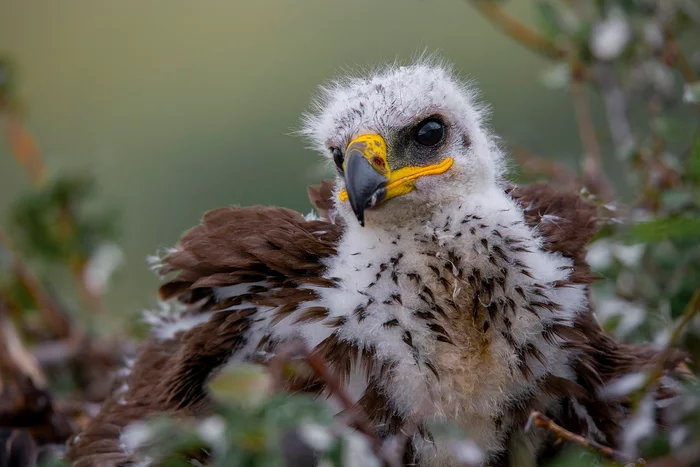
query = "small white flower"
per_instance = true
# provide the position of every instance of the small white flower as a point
(639, 426)
(600, 255)
(629, 255)
(653, 35)
(557, 77)
(610, 36)
(316, 436)
(467, 452)
(212, 430)
(134, 436)
(678, 436)
(106, 259)
(691, 93)
(359, 452)
(631, 315)
(623, 386)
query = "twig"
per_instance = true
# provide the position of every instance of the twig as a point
(335, 388)
(63, 351)
(93, 300)
(533, 164)
(615, 107)
(318, 365)
(541, 420)
(680, 62)
(51, 312)
(593, 161)
(26, 152)
(658, 370)
(23, 147)
(16, 361)
(517, 30)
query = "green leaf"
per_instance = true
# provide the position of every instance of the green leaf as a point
(60, 223)
(691, 93)
(547, 20)
(693, 170)
(664, 229)
(557, 76)
(576, 457)
(244, 384)
(676, 200)
(7, 81)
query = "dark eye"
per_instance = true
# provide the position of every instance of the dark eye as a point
(429, 132)
(338, 158)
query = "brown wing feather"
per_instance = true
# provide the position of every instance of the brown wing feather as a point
(231, 246)
(566, 223)
(321, 197)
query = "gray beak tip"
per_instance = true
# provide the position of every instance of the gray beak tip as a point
(365, 186)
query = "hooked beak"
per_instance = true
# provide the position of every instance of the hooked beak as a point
(370, 181)
(364, 186)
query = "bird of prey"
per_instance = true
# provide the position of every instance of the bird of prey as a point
(433, 288)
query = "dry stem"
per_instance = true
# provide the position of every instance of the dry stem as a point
(680, 62)
(15, 360)
(593, 174)
(335, 388)
(51, 312)
(23, 147)
(517, 30)
(658, 370)
(541, 420)
(533, 164)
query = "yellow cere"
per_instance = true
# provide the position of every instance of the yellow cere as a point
(400, 182)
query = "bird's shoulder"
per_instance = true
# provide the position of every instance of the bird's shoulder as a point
(565, 221)
(262, 257)
(247, 244)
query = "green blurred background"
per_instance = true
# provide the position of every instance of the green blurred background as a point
(178, 107)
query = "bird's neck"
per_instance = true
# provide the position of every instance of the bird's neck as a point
(400, 227)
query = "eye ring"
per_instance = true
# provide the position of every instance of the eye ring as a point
(338, 158)
(430, 132)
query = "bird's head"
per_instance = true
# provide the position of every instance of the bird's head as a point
(403, 140)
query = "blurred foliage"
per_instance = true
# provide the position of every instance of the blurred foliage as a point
(252, 427)
(55, 224)
(630, 57)
(6, 78)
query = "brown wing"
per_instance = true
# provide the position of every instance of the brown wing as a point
(231, 246)
(321, 197)
(566, 223)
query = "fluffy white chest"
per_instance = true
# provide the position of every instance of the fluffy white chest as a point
(455, 316)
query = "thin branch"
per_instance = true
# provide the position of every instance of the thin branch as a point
(318, 365)
(23, 146)
(16, 362)
(335, 388)
(615, 106)
(680, 61)
(657, 372)
(542, 421)
(61, 352)
(593, 174)
(321, 369)
(533, 164)
(51, 312)
(517, 30)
